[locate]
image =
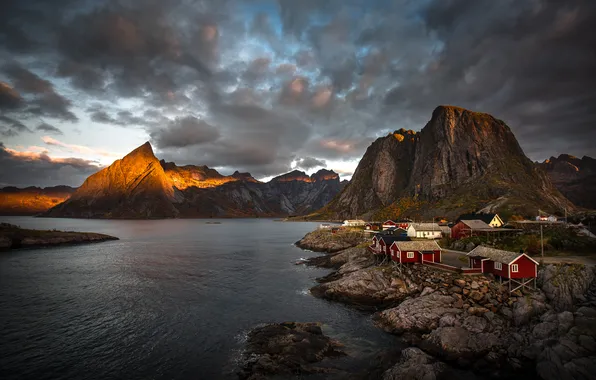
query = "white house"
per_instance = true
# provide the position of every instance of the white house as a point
(424, 230)
(354, 223)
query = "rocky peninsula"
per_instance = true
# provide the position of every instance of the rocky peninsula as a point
(461, 326)
(323, 240)
(14, 237)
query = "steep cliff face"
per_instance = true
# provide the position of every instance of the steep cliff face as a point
(381, 176)
(133, 187)
(460, 161)
(574, 177)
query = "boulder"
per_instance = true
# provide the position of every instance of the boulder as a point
(420, 314)
(415, 364)
(288, 348)
(564, 284)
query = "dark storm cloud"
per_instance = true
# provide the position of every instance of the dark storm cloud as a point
(45, 127)
(530, 64)
(45, 101)
(184, 132)
(9, 98)
(38, 169)
(318, 79)
(10, 127)
(308, 163)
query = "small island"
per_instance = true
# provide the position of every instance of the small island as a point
(14, 237)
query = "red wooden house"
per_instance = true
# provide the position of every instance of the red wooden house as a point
(388, 224)
(516, 268)
(415, 251)
(372, 226)
(468, 228)
(381, 243)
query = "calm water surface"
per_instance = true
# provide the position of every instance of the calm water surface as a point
(172, 299)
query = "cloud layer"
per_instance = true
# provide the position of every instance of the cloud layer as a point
(257, 85)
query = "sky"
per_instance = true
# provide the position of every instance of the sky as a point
(267, 86)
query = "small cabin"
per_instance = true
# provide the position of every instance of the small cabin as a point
(415, 251)
(372, 227)
(424, 231)
(354, 223)
(515, 268)
(389, 224)
(468, 228)
(381, 243)
(394, 231)
(493, 220)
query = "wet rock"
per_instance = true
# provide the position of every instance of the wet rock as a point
(418, 314)
(564, 284)
(365, 288)
(5, 242)
(527, 307)
(288, 348)
(415, 364)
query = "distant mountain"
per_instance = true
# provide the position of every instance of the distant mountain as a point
(574, 177)
(133, 187)
(461, 161)
(141, 186)
(32, 200)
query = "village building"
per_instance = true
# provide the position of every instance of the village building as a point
(354, 223)
(415, 251)
(396, 231)
(493, 220)
(372, 227)
(469, 228)
(381, 243)
(424, 230)
(401, 224)
(445, 230)
(517, 269)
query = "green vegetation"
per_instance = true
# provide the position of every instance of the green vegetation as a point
(557, 241)
(399, 208)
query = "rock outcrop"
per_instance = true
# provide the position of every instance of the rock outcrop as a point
(574, 177)
(460, 161)
(287, 349)
(140, 187)
(323, 240)
(415, 364)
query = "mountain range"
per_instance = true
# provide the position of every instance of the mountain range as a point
(141, 186)
(461, 161)
(574, 177)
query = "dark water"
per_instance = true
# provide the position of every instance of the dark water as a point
(172, 299)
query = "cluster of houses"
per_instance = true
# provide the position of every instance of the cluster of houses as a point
(405, 242)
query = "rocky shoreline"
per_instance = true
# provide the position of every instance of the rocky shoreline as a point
(469, 326)
(14, 237)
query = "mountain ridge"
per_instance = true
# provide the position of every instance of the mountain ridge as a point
(461, 161)
(141, 186)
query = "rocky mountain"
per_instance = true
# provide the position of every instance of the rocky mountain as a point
(141, 186)
(133, 187)
(32, 200)
(461, 161)
(574, 177)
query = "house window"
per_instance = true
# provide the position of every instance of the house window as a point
(410, 255)
(514, 268)
(498, 266)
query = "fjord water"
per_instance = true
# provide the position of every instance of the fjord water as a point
(173, 299)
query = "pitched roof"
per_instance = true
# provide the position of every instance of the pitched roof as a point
(498, 255)
(395, 229)
(418, 245)
(486, 218)
(476, 224)
(426, 226)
